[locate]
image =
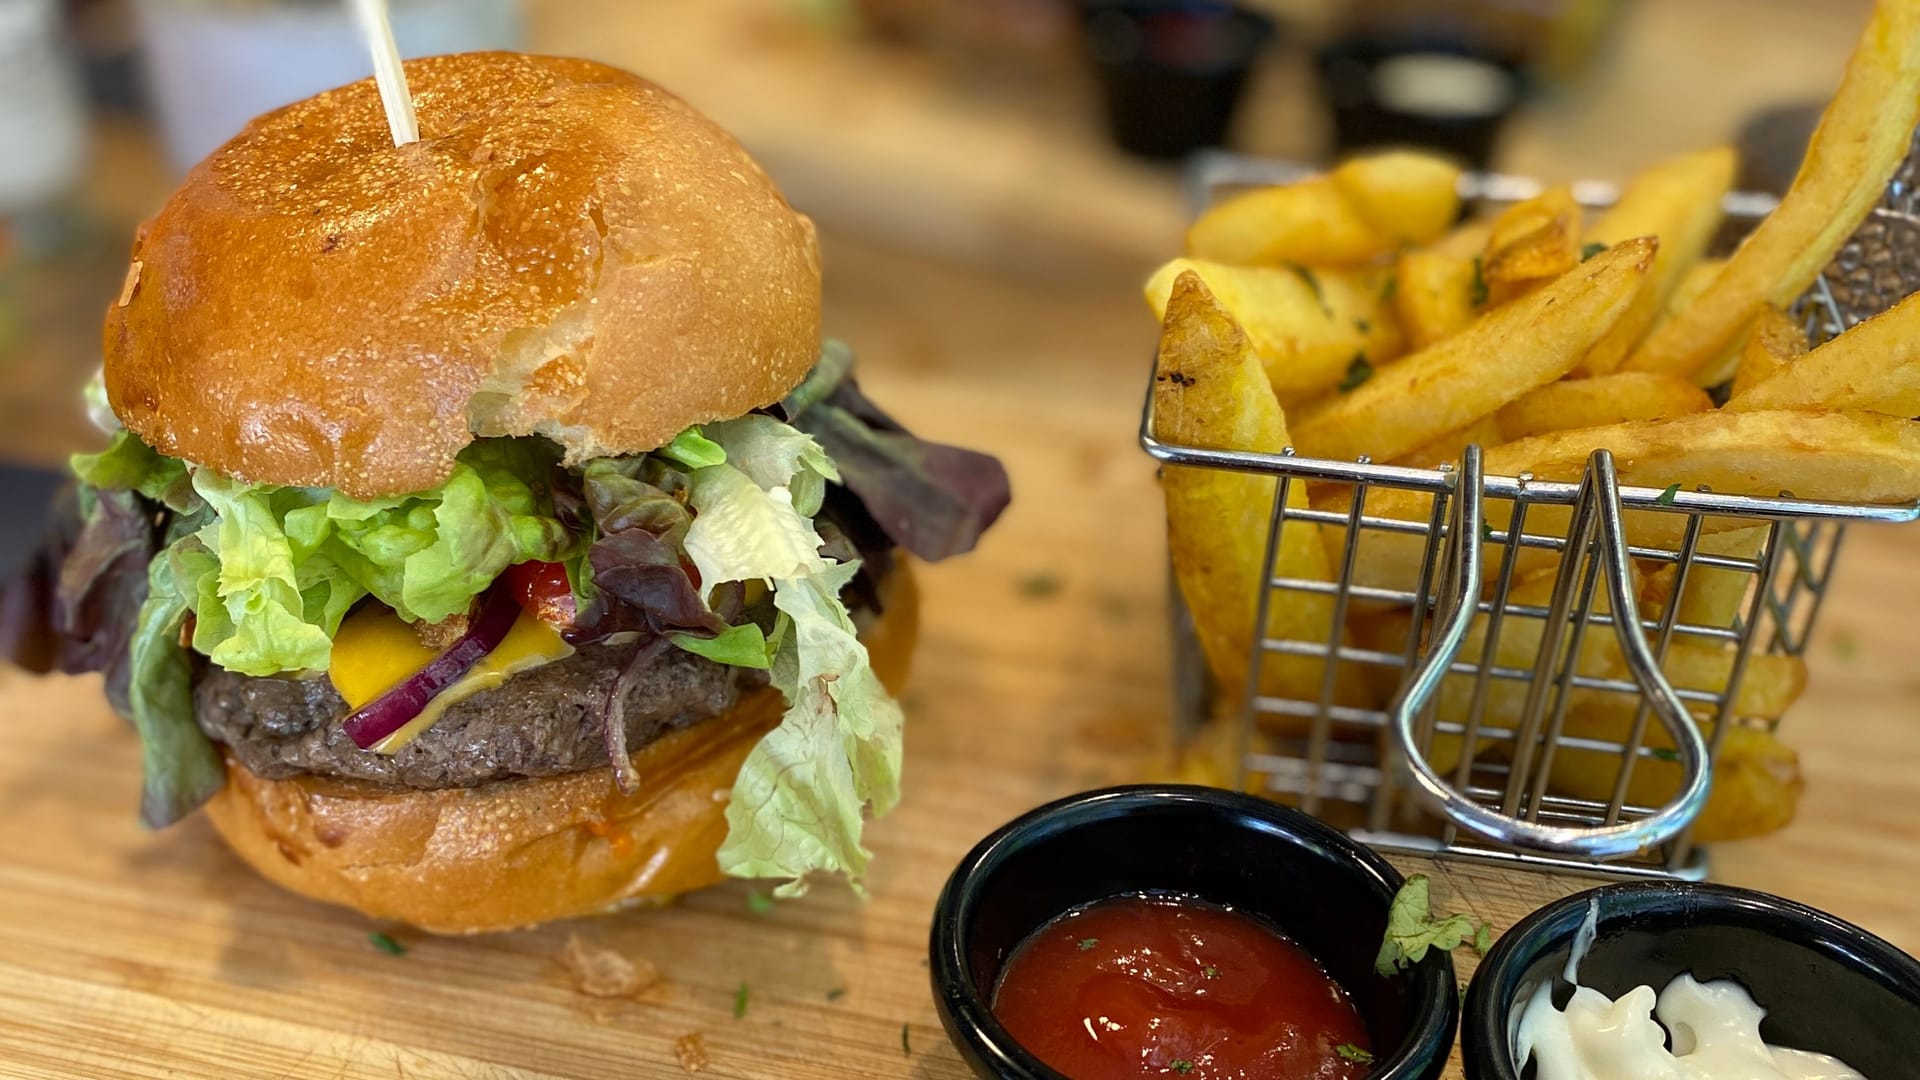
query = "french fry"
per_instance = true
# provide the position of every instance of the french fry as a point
(1862, 137)
(1307, 326)
(1713, 595)
(1484, 431)
(1874, 367)
(1531, 243)
(1434, 295)
(1501, 356)
(1774, 343)
(1408, 198)
(1306, 222)
(1368, 208)
(1679, 202)
(1595, 402)
(1858, 457)
(1693, 283)
(1209, 391)
(1756, 780)
(1464, 242)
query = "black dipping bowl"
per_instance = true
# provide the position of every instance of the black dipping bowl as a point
(1172, 71)
(1328, 893)
(1827, 985)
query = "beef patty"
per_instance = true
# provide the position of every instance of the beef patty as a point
(542, 722)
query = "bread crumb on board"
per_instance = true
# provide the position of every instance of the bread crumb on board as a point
(603, 973)
(691, 1049)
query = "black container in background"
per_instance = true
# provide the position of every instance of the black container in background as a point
(1172, 73)
(1431, 94)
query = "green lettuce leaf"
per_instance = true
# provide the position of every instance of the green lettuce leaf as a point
(290, 562)
(180, 768)
(770, 452)
(799, 802)
(251, 616)
(127, 464)
(1412, 929)
(741, 646)
(743, 532)
(693, 449)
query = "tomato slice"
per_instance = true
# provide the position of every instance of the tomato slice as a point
(542, 590)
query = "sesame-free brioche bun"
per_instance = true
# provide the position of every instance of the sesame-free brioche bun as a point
(512, 853)
(568, 251)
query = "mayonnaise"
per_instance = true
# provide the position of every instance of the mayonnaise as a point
(1715, 1029)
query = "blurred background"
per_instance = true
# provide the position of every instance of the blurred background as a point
(992, 177)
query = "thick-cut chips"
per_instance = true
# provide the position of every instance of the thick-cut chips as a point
(1209, 392)
(1501, 356)
(1862, 137)
(1408, 198)
(1368, 208)
(1756, 780)
(1775, 342)
(1308, 326)
(1531, 243)
(1435, 295)
(1713, 595)
(1875, 366)
(1483, 432)
(1604, 399)
(1857, 457)
(1679, 202)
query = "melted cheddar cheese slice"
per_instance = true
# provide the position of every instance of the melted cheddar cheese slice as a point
(375, 651)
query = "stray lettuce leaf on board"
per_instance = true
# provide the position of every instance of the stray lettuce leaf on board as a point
(1412, 929)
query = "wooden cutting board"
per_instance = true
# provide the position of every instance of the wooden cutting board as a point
(1042, 670)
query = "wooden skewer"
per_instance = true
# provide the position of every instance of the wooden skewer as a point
(371, 15)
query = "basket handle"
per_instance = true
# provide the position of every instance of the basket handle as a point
(1600, 497)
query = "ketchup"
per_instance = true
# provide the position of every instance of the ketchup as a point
(1156, 986)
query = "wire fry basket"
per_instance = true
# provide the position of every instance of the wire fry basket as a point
(1519, 715)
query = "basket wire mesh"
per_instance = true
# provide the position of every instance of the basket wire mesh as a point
(1488, 750)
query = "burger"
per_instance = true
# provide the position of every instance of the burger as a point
(487, 534)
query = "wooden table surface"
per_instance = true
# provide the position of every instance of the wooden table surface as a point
(1043, 666)
(1042, 670)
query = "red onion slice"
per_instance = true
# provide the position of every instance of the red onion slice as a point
(392, 710)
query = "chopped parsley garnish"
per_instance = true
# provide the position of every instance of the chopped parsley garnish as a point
(1212, 972)
(1665, 498)
(1591, 250)
(1391, 286)
(1181, 1066)
(1661, 753)
(1357, 372)
(906, 1043)
(386, 944)
(1477, 291)
(1353, 1053)
(836, 993)
(1486, 531)
(1039, 585)
(1313, 284)
(760, 903)
(1087, 943)
(1363, 326)
(740, 1001)
(1846, 648)
(1412, 929)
